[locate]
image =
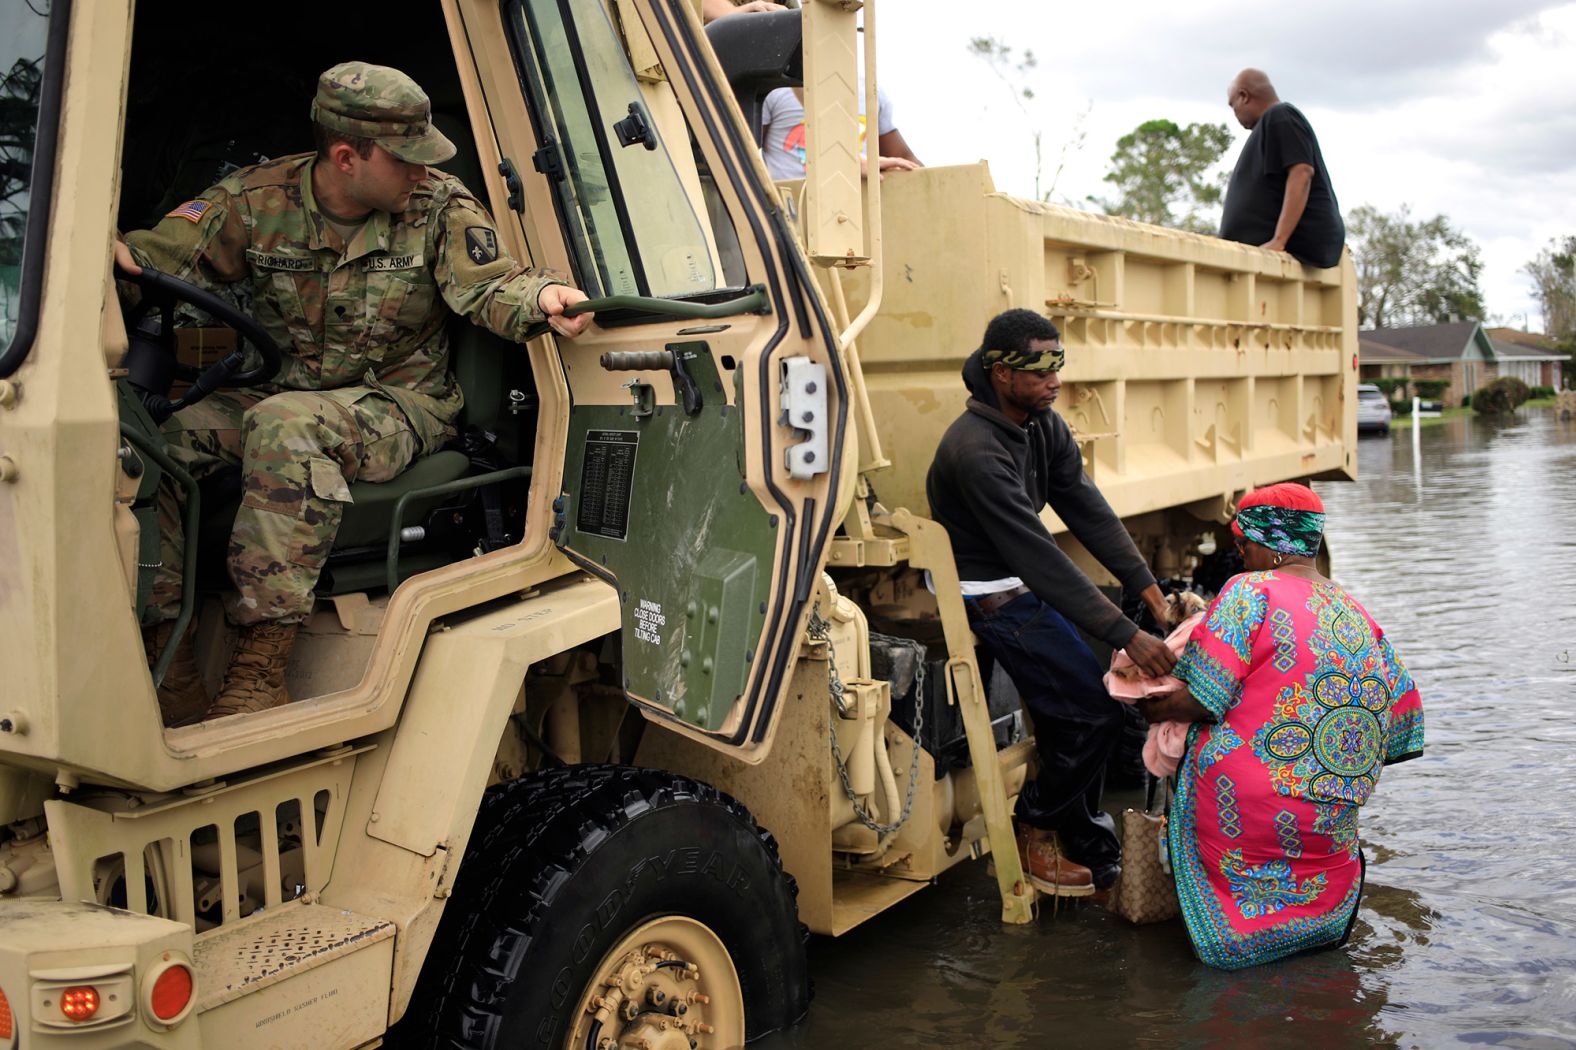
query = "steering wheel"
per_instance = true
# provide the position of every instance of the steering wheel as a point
(151, 364)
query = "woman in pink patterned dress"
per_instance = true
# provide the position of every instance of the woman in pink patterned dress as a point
(1297, 702)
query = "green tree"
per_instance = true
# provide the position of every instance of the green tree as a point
(1168, 175)
(1553, 274)
(19, 89)
(1412, 272)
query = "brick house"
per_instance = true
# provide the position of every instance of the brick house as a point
(1547, 366)
(1461, 353)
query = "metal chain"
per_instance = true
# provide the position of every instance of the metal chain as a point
(820, 630)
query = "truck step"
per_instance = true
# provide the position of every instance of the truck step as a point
(286, 942)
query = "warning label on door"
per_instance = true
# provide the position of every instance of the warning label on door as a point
(649, 620)
(607, 475)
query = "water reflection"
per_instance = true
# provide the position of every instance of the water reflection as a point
(1467, 933)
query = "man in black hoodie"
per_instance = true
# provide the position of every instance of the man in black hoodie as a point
(1004, 459)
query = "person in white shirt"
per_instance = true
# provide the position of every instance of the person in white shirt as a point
(783, 135)
(782, 115)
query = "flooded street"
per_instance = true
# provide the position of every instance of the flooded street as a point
(1467, 932)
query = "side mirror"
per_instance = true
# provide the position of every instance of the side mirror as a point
(759, 53)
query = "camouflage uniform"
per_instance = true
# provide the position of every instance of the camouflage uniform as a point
(365, 387)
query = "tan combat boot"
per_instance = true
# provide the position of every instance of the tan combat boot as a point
(256, 678)
(182, 698)
(1048, 868)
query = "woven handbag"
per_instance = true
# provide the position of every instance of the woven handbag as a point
(1146, 892)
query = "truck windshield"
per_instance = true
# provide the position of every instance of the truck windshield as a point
(23, 32)
(636, 214)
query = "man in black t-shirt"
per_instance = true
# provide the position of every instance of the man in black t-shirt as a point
(1280, 196)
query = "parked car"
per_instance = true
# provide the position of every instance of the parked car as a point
(1373, 409)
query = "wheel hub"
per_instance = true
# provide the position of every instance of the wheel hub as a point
(667, 985)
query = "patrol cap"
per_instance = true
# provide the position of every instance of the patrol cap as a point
(1028, 360)
(381, 104)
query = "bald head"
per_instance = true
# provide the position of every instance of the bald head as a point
(1249, 95)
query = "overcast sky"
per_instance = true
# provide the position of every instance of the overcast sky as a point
(1465, 108)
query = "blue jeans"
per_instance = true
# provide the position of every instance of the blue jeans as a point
(1076, 727)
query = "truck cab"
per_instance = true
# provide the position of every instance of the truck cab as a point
(639, 516)
(606, 704)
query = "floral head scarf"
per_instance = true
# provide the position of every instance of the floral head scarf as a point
(1287, 518)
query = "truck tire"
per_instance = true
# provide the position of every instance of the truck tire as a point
(583, 879)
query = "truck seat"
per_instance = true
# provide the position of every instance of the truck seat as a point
(371, 510)
(479, 361)
(477, 358)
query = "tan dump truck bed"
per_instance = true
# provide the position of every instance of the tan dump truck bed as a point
(1196, 367)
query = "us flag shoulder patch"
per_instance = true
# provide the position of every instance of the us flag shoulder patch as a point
(192, 211)
(481, 244)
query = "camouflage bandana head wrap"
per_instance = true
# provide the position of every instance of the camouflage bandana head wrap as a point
(1028, 360)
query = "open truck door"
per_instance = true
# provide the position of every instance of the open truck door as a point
(704, 414)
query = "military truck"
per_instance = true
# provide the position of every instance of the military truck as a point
(603, 706)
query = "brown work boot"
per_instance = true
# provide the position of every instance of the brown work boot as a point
(256, 678)
(182, 697)
(1048, 868)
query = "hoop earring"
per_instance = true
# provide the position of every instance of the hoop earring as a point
(1278, 559)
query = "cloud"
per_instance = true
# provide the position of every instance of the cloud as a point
(1343, 53)
(1519, 113)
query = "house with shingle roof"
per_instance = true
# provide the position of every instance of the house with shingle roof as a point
(1380, 360)
(1461, 353)
(1532, 353)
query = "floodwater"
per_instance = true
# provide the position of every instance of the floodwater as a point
(1467, 931)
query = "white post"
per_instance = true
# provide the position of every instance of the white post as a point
(1417, 442)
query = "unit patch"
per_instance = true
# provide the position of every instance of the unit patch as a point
(191, 211)
(273, 261)
(393, 262)
(481, 244)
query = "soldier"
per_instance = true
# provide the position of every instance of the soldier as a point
(357, 255)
